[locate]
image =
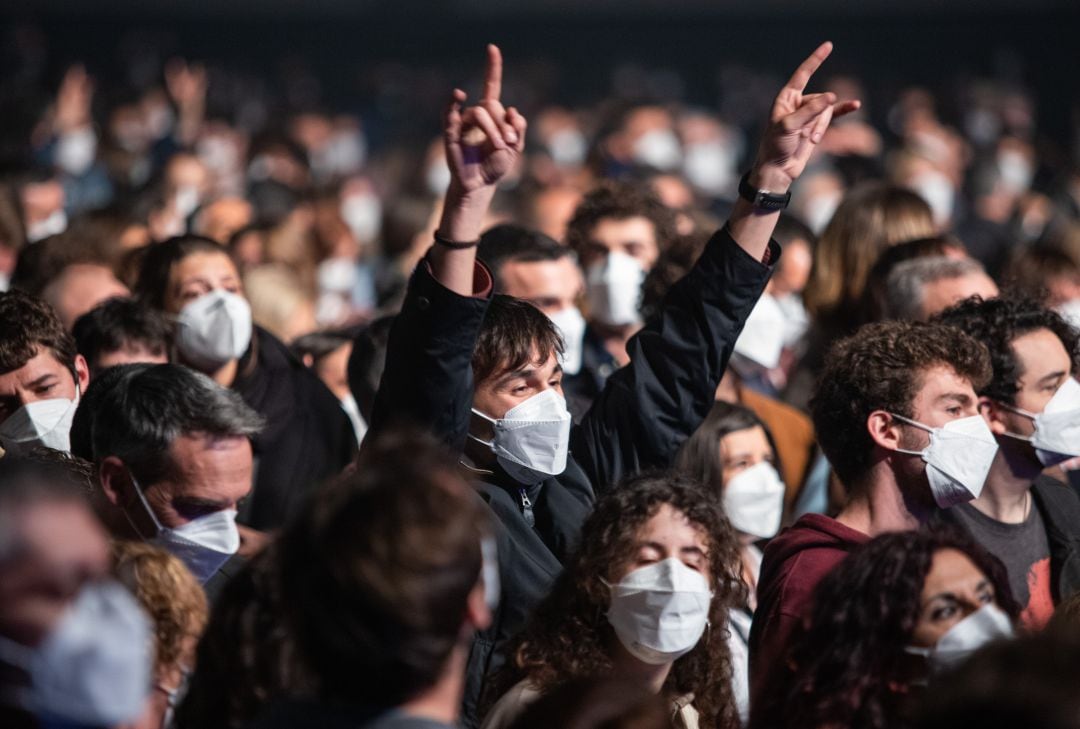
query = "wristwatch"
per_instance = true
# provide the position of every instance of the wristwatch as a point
(762, 199)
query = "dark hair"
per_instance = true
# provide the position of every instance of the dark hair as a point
(40, 264)
(789, 228)
(157, 264)
(246, 657)
(674, 262)
(997, 323)
(699, 456)
(40, 476)
(1029, 682)
(319, 344)
(136, 411)
(1030, 269)
(568, 634)
(881, 367)
(367, 362)
(874, 293)
(619, 200)
(851, 655)
(118, 324)
(597, 703)
(28, 324)
(509, 243)
(514, 333)
(377, 570)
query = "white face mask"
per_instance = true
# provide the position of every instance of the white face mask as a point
(614, 289)
(659, 612)
(568, 147)
(818, 210)
(958, 458)
(532, 440)
(437, 177)
(55, 224)
(363, 214)
(1070, 312)
(1016, 171)
(41, 423)
(796, 320)
(986, 624)
(489, 573)
(94, 668)
(203, 544)
(214, 329)
(762, 337)
(710, 167)
(1057, 428)
(337, 275)
(76, 150)
(186, 200)
(659, 149)
(571, 325)
(938, 192)
(754, 500)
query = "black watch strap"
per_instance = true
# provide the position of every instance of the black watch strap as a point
(762, 199)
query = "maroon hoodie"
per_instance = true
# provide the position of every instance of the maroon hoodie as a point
(795, 561)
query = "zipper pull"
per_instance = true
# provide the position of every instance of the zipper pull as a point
(527, 508)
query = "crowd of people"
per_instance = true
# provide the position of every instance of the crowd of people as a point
(572, 417)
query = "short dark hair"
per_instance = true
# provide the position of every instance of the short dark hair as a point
(42, 475)
(121, 323)
(136, 411)
(1030, 269)
(509, 243)
(881, 367)
(619, 200)
(377, 570)
(28, 324)
(874, 292)
(997, 323)
(157, 263)
(513, 334)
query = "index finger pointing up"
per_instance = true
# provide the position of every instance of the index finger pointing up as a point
(806, 69)
(493, 79)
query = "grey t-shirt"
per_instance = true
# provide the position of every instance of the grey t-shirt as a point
(1024, 550)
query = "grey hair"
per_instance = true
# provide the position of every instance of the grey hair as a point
(905, 284)
(134, 412)
(41, 477)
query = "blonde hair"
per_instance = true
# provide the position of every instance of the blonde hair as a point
(167, 591)
(276, 295)
(871, 218)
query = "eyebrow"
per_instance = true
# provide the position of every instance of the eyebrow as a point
(1053, 376)
(199, 502)
(517, 374)
(960, 397)
(947, 595)
(41, 380)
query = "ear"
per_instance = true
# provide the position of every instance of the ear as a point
(884, 430)
(477, 613)
(994, 414)
(82, 374)
(116, 482)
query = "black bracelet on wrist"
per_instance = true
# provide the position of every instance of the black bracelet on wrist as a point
(456, 245)
(762, 199)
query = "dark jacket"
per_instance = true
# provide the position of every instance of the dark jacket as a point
(639, 421)
(1059, 507)
(795, 561)
(597, 365)
(308, 438)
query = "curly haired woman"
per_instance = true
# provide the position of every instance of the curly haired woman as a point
(902, 608)
(646, 597)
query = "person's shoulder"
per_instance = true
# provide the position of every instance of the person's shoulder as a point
(510, 705)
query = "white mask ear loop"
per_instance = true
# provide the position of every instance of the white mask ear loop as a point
(914, 424)
(489, 443)
(145, 503)
(1024, 413)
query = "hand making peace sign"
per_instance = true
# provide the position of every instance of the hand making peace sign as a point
(483, 142)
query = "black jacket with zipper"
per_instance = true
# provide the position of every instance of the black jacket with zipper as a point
(644, 414)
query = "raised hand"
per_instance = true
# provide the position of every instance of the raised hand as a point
(73, 100)
(797, 124)
(483, 142)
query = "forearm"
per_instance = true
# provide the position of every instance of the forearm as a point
(752, 228)
(462, 221)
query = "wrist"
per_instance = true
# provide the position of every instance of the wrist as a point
(464, 213)
(769, 178)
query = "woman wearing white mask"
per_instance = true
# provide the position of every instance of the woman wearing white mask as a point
(733, 453)
(308, 438)
(900, 610)
(645, 597)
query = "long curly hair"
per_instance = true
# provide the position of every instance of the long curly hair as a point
(569, 636)
(850, 660)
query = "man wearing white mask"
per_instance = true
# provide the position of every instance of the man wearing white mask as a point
(483, 371)
(41, 375)
(75, 648)
(529, 265)
(173, 456)
(897, 417)
(1029, 520)
(618, 232)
